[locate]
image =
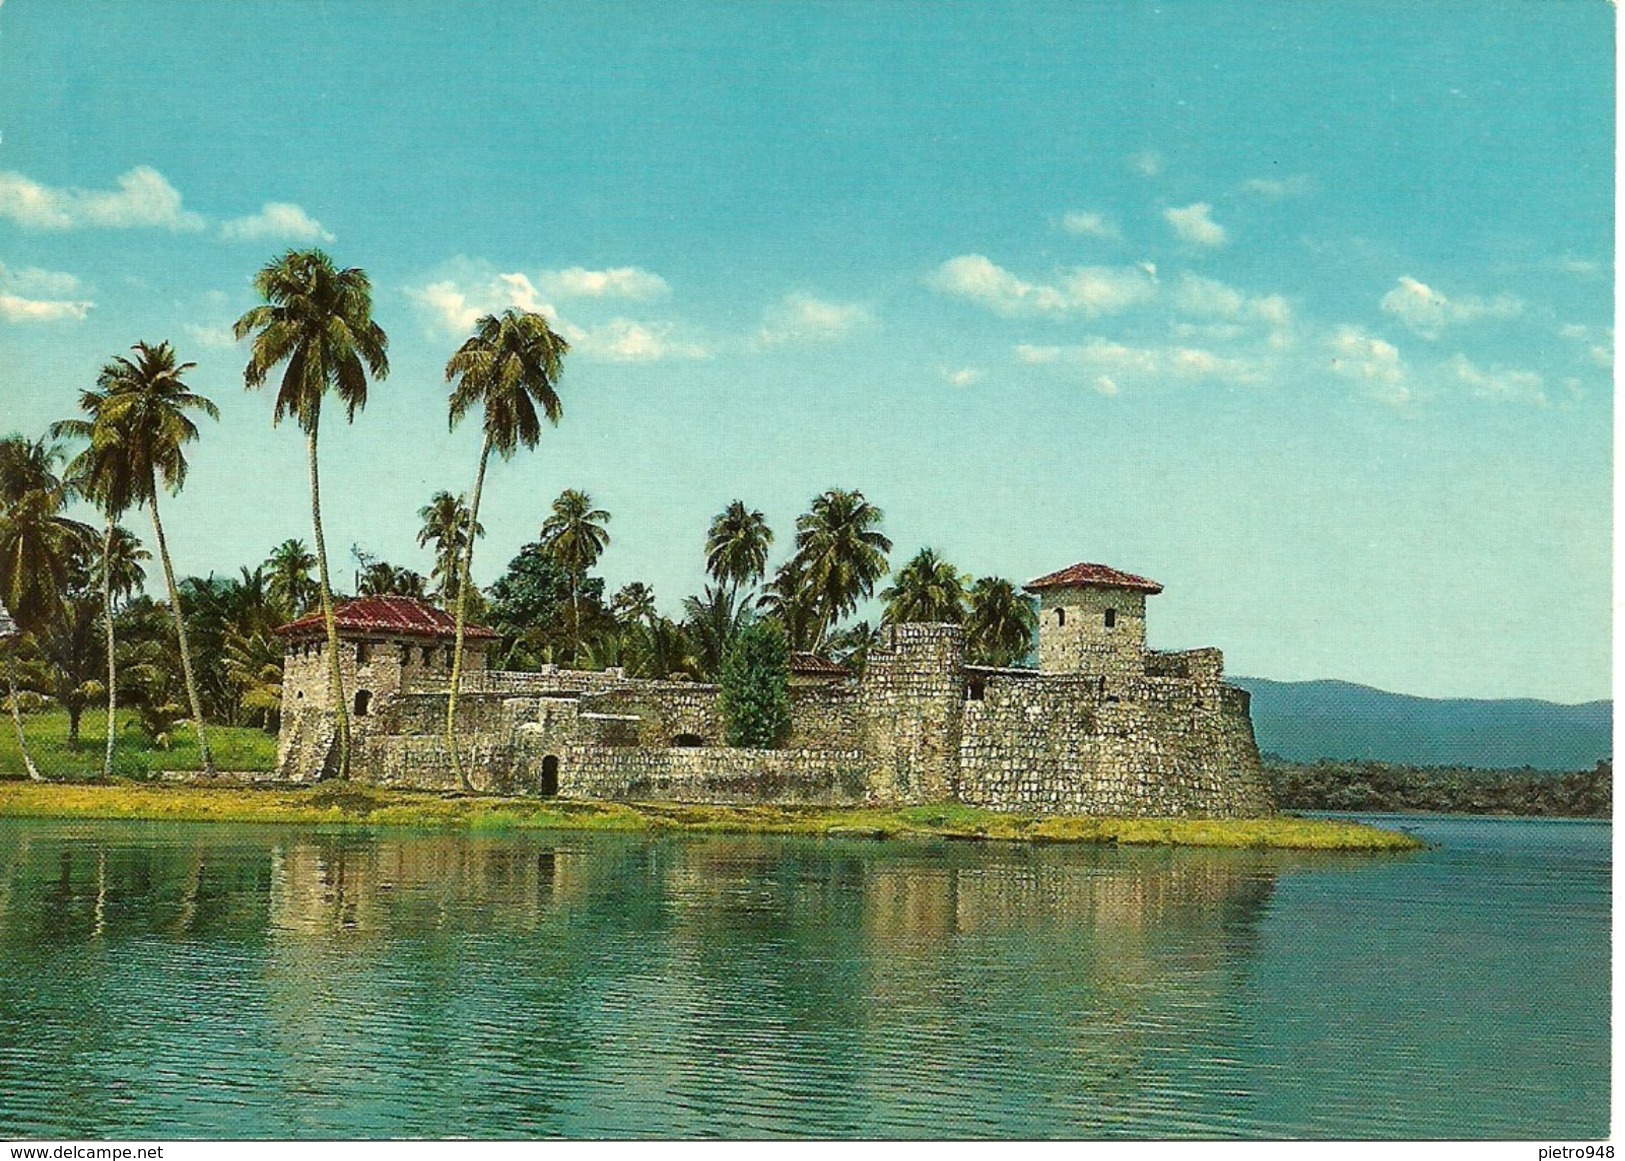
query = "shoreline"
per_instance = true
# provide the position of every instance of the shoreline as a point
(360, 806)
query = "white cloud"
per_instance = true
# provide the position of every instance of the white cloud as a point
(1147, 163)
(625, 341)
(220, 337)
(1195, 224)
(32, 295)
(801, 318)
(1087, 290)
(16, 309)
(963, 377)
(1601, 355)
(617, 282)
(143, 198)
(1427, 311)
(1090, 225)
(1372, 362)
(1500, 384)
(1574, 331)
(280, 221)
(1106, 361)
(1276, 188)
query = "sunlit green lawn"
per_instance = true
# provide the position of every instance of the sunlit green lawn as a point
(235, 747)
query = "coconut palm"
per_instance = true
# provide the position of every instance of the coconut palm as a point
(575, 537)
(736, 546)
(106, 474)
(1001, 624)
(288, 576)
(840, 554)
(789, 601)
(317, 320)
(142, 409)
(446, 526)
(39, 551)
(634, 604)
(509, 367)
(713, 622)
(927, 588)
(851, 646)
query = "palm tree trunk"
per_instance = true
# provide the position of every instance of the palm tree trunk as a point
(462, 614)
(17, 715)
(112, 665)
(180, 634)
(335, 676)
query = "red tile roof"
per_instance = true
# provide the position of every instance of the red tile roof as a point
(1098, 575)
(812, 665)
(399, 616)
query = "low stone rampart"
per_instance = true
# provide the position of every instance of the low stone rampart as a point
(716, 774)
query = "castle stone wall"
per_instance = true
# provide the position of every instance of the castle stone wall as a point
(909, 712)
(1073, 636)
(716, 774)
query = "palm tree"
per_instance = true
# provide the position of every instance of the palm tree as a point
(39, 550)
(712, 622)
(736, 546)
(840, 554)
(106, 474)
(789, 601)
(1002, 622)
(852, 645)
(142, 409)
(575, 537)
(634, 604)
(317, 320)
(446, 522)
(927, 588)
(509, 367)
(290, 584)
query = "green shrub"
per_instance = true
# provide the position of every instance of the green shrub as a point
(755, 687)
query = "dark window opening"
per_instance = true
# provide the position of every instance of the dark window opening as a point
(1198, 703)
(300, 696)
(363, 702)
(1112, 697)
(688, 741)
(428, 655)
(449, 656)
(975, 690)
(1111, 618)
(363, 652)
(550, 777)
(1060, 618)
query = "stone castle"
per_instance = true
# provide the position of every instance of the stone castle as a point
(1102, 726)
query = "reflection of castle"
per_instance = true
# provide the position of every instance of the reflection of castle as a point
(1103, 725)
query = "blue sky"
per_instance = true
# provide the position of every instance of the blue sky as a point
(1304, 310)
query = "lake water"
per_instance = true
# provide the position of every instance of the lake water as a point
(176, 981)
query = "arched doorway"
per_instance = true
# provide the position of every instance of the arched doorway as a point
(550, 776)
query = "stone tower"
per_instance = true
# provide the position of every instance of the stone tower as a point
(911, 708)
(1091, 621)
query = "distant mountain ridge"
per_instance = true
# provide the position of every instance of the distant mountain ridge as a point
(1304, 721)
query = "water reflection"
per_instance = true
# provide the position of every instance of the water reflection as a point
(224, 981)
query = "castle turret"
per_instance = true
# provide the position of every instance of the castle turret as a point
(1091, 620)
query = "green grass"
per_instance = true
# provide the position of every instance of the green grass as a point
(350, 804)
(234, 747)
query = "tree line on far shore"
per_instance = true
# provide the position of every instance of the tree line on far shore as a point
(1389, 787)
(204, 651)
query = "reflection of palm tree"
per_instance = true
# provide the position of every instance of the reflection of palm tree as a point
(38, 550)
(290, 583)
(736, 546)
(509, 367)
(1002, 622)
(104, 471)
(317, 320)
(446, 522)
(840, 554)
(574, 537)
(926, 589)
(143, 409)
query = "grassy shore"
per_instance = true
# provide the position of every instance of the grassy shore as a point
(234, 747)
(353, 805)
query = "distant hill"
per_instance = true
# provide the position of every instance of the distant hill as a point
(1308, 720)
